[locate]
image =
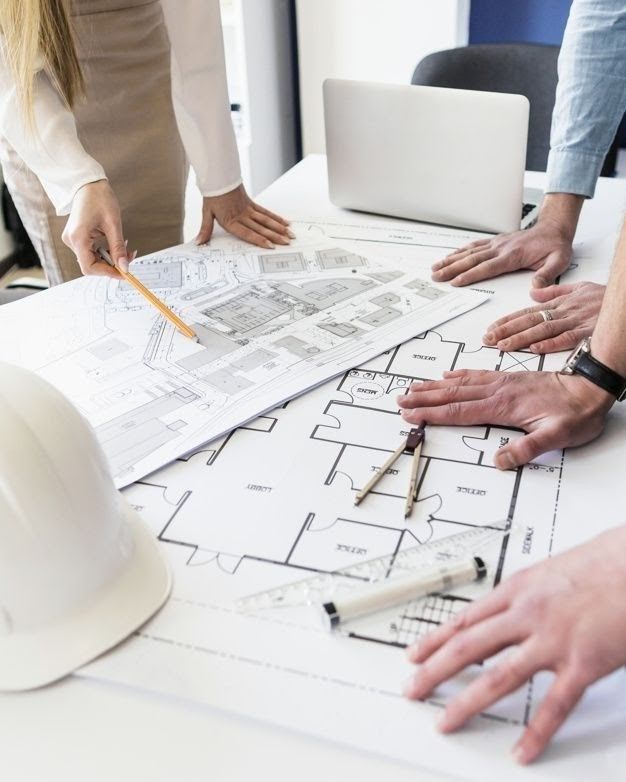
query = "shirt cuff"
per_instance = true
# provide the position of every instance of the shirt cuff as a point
(63, 199)
(222, 191)
(573, 171)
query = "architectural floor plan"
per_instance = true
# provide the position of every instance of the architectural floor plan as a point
(273, 502)
(271, 324)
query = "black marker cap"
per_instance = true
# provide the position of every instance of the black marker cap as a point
(332, 614)
(481, 568)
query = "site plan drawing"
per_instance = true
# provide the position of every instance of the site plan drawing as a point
(271, 324)
(273, 502)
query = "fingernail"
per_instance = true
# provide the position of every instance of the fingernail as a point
(270, 246)
(443, 723)
(504, 461)
(408, 686)
(488, 338)
(123, 264)
(436, 266)
(291, 234)
(519, 755)
(503, 344)
(412, 652)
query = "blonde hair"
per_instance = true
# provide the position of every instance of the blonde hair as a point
(40, 27)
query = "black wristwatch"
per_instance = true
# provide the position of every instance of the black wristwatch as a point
(581, 362)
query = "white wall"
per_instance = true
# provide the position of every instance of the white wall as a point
(270, 90)
(373, 40)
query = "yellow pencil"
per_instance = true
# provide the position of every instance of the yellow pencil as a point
(149, 296)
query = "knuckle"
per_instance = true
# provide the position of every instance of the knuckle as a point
(500, 403)
(71, 236)
(451, 393)
(460, 621)
(458, 648)
(583, 668)
(453, 409)
(517, 581)
(534, 605)
(498, 676)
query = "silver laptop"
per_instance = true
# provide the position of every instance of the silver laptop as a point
(432, 154)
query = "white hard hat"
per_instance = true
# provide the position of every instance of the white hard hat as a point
(79, 571)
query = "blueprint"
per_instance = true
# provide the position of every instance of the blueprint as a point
(272, 324)
(273, 503)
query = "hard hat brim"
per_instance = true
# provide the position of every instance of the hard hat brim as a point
(33, 659)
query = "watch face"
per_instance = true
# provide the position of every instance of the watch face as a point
(584, 346)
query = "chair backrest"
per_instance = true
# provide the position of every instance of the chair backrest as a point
(522, 68)
(8, 295)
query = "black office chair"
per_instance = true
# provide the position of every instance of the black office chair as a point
(523, 68)
(23, 255)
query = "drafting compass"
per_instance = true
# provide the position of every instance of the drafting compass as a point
(412, 447)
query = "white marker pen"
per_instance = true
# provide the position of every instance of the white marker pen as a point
(434, 578)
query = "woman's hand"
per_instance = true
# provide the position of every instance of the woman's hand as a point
(557, 411)
(573, 311)
(238, 214)
(564, 615)
(95, 221)
(546, 248)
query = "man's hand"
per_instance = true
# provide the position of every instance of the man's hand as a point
(557, 411)
(542, 248)
(240, 216)
(573, 310)
(94, 221)
(546, 248)
(563, 615)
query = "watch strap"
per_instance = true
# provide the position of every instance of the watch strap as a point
(601, 375)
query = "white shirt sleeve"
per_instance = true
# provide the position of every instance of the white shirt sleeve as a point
(200, 93)
(51, 149)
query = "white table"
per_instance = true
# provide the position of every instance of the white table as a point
(85, 730)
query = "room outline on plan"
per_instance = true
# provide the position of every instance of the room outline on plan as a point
(323, 448)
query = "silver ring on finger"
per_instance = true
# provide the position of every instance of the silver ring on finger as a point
(546, 315)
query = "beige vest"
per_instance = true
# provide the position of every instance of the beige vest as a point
(127, 123)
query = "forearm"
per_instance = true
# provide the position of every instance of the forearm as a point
(562, 210)
(590, 96)
(200, 94)
(51, 149)
(608, 343)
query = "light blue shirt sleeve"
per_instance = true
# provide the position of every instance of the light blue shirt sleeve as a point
(590, 97)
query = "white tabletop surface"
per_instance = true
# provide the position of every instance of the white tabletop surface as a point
(85, 730)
